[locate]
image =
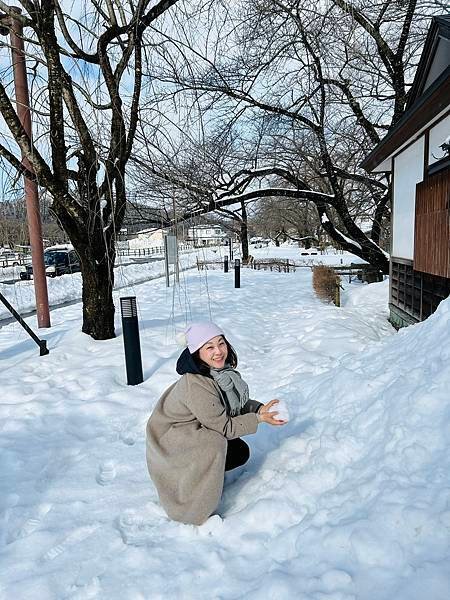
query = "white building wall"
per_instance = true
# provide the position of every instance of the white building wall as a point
(205, 232)
(147, 239)
(408, 171)
(438, 134)
(204, 235)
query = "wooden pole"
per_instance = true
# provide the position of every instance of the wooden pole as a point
(31, 190)
(337, 298)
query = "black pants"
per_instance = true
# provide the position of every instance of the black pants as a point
(238, 454)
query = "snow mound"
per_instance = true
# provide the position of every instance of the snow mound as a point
(371, 451)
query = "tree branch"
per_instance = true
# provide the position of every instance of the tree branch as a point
(16, 163)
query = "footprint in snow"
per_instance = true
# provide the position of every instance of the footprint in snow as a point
(89, 591)
(135, 531)
(71, 540)
(33, 523)
(128, 439)
(53, 468)
(106, 473)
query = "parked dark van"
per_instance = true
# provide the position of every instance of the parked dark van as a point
(58, 261)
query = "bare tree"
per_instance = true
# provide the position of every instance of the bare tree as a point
(328, 80)
(13, 227)
(297, 221)
(86, 73)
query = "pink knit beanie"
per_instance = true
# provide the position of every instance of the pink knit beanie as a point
(199, 333)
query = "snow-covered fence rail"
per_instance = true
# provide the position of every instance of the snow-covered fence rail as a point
(13, 260)
(284, 265)
(149, 251)
(362, 271)
(215, 263)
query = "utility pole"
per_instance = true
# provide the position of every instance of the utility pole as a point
(15, 28)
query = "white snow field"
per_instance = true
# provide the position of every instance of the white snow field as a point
(68, 287)
(348, 501)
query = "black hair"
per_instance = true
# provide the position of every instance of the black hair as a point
(232, 359)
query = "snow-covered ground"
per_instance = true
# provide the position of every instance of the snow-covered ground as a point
(68, 287)
(349, 501)
(128, 272)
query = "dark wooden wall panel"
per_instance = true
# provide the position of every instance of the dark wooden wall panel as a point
(416, 293)
(432, 225)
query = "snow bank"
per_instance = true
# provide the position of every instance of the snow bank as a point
(67, 288)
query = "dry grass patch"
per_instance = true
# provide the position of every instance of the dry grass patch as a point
(326, 284)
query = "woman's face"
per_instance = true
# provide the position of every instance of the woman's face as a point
(214, 353)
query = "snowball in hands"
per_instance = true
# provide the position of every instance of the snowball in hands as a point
(282, 410)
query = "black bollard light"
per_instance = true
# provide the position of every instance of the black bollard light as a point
(237, 273)
(132, 346)
(225, 264)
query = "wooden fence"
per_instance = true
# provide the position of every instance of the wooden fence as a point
(136, 252)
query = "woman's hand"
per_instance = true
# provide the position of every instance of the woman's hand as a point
(267, 414)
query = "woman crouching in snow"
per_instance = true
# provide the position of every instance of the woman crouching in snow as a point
(193, 434)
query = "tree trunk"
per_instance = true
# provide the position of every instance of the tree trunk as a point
(357, 242)
(97, 270)
(381, 209)
(96, 249)
(244, 234)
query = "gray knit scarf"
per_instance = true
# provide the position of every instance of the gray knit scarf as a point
(234, 387)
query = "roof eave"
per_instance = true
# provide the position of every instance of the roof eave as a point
(440, 28)
(425, 109)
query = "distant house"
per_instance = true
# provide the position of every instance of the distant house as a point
(206, 235)
(416, 151)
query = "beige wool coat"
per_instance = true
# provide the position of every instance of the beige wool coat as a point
(187, 437)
